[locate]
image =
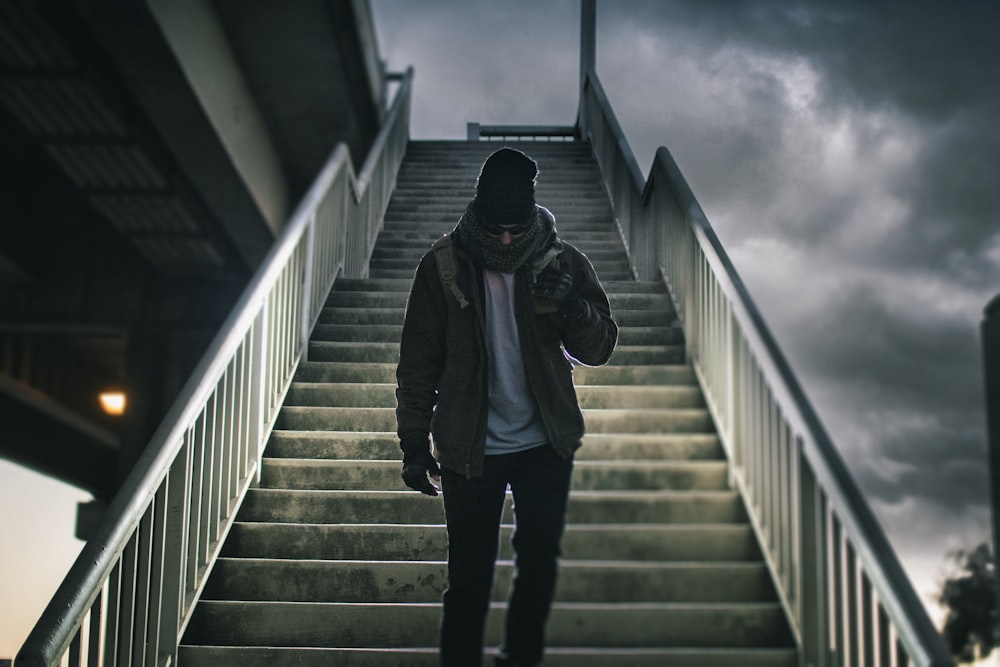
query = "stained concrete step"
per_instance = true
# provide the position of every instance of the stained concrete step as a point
(621, 420)
(391, 293)
(360, 474)
(418, 243)
(616, 273)
(386, 333)
(226, 656)
(333, 371)
(653, 355)
(652, 624)
(370, 445)
(602, 266)
(406, 506)
(375, 395)
(371, 581)
(596, 250)
(663, 374)
(363, 317)
(399, 542)
(382, 353)
(653, 374)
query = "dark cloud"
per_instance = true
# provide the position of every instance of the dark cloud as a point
(925, 70)
(901, 354)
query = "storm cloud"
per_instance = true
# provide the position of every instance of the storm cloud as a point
(846, 154)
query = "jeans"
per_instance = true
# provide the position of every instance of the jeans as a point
(539, 481)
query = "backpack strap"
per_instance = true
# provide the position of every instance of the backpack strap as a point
(444, 254)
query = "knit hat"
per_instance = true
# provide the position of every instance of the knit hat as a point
(505, 191)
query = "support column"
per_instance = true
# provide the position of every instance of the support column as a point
(991, 366)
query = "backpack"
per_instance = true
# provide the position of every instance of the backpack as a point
(444, 253)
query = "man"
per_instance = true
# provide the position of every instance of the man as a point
(495, 317)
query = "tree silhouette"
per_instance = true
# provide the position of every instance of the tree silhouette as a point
(970, 596)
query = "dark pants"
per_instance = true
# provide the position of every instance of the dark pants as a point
(539, 481)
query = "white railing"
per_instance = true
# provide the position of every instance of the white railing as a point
(129, 596)
(845, 594)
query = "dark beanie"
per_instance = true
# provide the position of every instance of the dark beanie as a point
(505, 191)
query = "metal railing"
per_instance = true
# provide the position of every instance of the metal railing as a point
(131, 592)
(477, 131)
(844, 592)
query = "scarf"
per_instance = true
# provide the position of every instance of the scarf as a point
(537, 246)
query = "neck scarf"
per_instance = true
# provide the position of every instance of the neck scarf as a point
(537, 246)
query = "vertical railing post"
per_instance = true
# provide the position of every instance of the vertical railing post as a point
(991, 366)
(813, 585)
(588, 55)
(258, 376)
(307, 287)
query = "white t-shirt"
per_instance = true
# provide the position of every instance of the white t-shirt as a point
(514, 423)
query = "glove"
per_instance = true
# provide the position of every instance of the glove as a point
(557, 286)
(418, 464)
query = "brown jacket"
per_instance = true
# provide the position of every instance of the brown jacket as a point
(441, 379)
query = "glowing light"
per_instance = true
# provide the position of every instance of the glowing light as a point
(113, 402)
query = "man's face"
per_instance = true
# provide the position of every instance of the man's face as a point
(506, 233)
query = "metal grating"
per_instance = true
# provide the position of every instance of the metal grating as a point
(102, 166)
(146, 213)
(179, 252)
(59, 106)
(27, 40)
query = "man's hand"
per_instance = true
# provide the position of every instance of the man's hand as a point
(417, 467)
(557, 286)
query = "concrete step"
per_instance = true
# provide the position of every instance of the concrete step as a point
(332, 371)
(659, 420)
(391, 333)
(595, 249)
(643, 355)
(651, 374)
(663, 374)
(228, 656)
(376, 395)
(617, 267)
(360, 474)
(407, 506)
(652, 624)
(656, 542)
(379, 353)
(371, 445)
(371, 581)
(361, 316)
(326, 418)
(617, 272)
(357, 299)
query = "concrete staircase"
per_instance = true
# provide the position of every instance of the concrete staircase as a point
(334, 562)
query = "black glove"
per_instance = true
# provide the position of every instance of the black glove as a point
(417, 465)
(557, 286)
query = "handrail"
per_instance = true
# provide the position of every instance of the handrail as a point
(845, 594)
(131, 592)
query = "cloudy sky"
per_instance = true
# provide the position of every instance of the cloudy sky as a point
(847, 155)
(845, 152)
